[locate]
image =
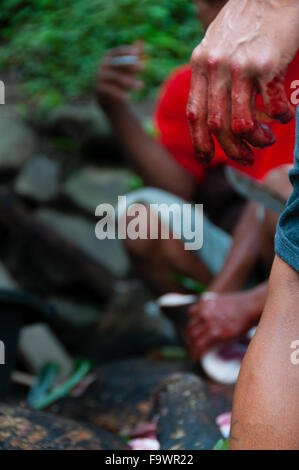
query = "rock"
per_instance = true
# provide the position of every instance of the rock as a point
(17, 143)
(79, 121)
(122, 395)
(131, 326)
(39, 179)
(22, 429)
(188, 408)
(6, 280)
(81, 232)
(78, 314)
(91, 186)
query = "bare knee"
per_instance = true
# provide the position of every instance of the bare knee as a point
(140, 246)
(278, 180)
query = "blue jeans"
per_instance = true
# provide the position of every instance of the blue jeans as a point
(287, 234)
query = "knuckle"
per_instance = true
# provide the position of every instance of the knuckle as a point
(263, 64)
(192, 113)
(239, 68)
(214, 60)
(197, 57)
(242, 126)
(215, 122)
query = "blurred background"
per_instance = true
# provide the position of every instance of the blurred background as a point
(59, 158)
(54, 47)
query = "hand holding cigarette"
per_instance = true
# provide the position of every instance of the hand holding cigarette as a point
(118, 73)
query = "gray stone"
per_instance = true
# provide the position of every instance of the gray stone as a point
(39, 179)
(92, 186)
(17, 142)
(131, 326)
(122, 395)
(34, 430)
(188, 407)
(77, 314)
(81, 232)
(79, 120)
(6, 280)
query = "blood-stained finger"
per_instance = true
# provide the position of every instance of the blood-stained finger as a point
(219, 119)
(196, 331)
(197, 113)
(275, 99)
(244, 123)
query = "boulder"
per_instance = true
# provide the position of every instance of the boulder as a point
(22, 429)
(78, 121)
(122, 395)
(17, 143)
(6, 280)
(92, 186)
(78, 314)
(81, 232)
(131, 326)
(187, 409)
(39, 179)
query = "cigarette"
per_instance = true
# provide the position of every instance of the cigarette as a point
(127, 59)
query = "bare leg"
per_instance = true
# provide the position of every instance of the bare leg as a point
(156, 260)
(266, 405)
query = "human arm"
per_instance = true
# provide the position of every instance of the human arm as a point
(227, 314)
(242, 255)
(146, 155)
(266, 406)
(218, 318)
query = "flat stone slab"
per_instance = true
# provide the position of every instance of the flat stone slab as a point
(122, 395)
(78, 120)
(39, 179)
(92, 186)
(187, 408)
(6, 280)
(77, 313)
(81, 232)
(22, 429)
(17, 143)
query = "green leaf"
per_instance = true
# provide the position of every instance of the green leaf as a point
(188, 283)
(82, 367)
(135, 182)
(56, 46)
(222, 445)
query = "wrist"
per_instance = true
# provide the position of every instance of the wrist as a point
(222, 285)
(111, 104)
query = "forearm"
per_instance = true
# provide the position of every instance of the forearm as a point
(148, 158)
(242, 255)
(266, 406)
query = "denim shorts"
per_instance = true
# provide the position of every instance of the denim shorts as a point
(287, 234)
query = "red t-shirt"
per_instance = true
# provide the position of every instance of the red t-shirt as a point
(173, 128)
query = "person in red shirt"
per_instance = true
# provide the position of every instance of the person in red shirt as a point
(170, 163)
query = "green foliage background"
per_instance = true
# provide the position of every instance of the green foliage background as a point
(57, 44)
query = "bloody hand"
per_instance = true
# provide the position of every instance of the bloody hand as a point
(218, 318)
(246, 50)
